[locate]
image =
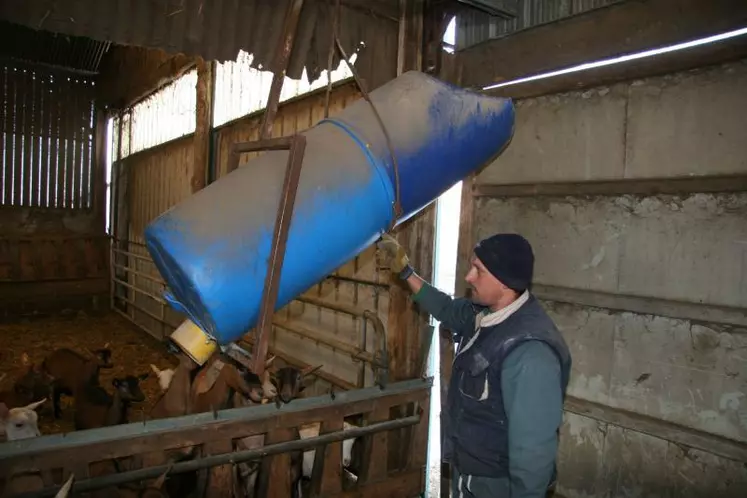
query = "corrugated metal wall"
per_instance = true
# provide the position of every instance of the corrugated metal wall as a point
(645, 274)
(46, 138)
(53, 250)
(474, 26)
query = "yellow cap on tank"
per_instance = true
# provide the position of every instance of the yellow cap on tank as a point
(194, 342)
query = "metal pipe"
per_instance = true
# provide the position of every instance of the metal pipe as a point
(280, 65)
(133, 242)
(227, 458)
(371, 283)
(143, 310)
(380, 331)
(382, 374)
(133, 255)
(297, 145)
(141, 274)
(141, 291)
(353, 352)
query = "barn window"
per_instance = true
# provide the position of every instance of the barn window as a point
(165, 115)
(241, 89)
(46, 139)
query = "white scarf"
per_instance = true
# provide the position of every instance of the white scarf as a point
(487, 319)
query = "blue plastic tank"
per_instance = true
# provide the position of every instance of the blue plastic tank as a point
(212, 248)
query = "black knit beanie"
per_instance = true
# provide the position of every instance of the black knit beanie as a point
(509, 257)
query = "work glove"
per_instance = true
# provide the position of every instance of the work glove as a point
(399, 262)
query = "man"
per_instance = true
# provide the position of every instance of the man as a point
(510, 372)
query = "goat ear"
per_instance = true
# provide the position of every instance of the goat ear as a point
(35, 404)
(269, 362)
(155, 369)
(310, 370)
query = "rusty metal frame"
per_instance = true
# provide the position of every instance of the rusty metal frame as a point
(296, 145)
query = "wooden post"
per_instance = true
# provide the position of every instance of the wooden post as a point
(280, 65)
(204, 123)
(466, 241)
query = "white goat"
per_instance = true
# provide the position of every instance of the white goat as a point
(164, 376)
(312, 430)
(21, 422)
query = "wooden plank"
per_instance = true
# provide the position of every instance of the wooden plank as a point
(45, 134)
(375, 448)
(466, 242)
(220, 477)
(204, 123)
(274, 478)
(418, 450)
(649, 186)
(98, 169)
(87, 144)
(128, 439)
(645, 305)
(598, 34)
(668, 431)
(326, 477)
(33, 291)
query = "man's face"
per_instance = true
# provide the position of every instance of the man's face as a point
(486, 289)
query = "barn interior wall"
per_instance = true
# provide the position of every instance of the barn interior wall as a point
(53, 249)
(649, 290)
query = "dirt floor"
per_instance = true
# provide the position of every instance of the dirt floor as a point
(132, 353)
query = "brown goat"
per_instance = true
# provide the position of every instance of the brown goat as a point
(94, 407)
(32, 385)
(72, 370)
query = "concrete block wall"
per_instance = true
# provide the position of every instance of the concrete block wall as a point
(684, 251)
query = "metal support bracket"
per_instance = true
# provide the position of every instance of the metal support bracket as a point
(296, 145)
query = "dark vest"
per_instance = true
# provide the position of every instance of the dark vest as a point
(476, 431)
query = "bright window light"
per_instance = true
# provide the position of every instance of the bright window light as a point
(625, 58)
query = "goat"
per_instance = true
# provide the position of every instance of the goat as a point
(20, 422)
(164, 376)
(71, 370)
(312, 430)
(290, 381)
(94, 407)
(33, 384)
(218, 380)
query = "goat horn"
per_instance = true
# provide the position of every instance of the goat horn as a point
(65, 489)
(310, 370)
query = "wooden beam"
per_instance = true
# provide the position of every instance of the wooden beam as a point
(204, 123)
(683, 60)
(156, 435)
(280, 65)
(466, 242)
(621, 28)
(98, 197)
(648, 186)
(644, 305)
(662, 429)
